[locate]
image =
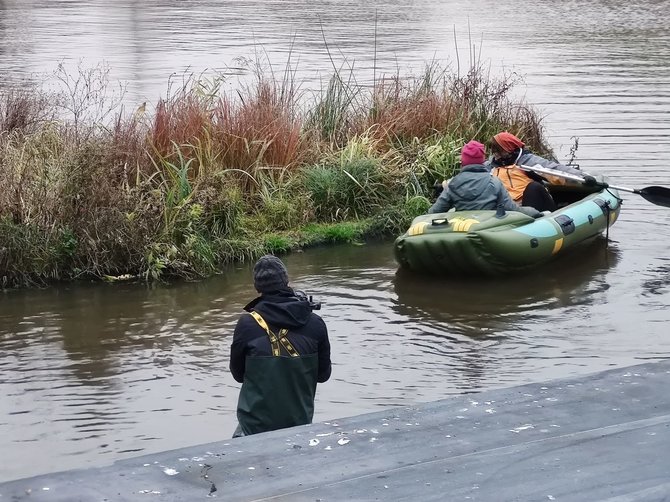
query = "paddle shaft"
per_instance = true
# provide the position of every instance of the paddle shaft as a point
(553, 172)
(654, 194)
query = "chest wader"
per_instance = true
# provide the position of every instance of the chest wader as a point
(278, 390)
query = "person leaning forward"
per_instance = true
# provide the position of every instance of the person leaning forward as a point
(526, 188)
(474, 188)
(280, 351)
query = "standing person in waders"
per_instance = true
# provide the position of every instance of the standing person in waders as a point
(280, 351)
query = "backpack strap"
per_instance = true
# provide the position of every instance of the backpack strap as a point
(276, 340)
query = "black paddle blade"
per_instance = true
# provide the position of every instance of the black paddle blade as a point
(656, 195)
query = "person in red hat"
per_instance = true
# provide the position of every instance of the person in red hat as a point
(474, 188)
(525, 188)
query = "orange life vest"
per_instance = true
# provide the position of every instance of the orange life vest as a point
(515, 180)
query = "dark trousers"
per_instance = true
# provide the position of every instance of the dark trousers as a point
(537, 196)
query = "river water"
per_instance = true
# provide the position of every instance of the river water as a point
(93, 373)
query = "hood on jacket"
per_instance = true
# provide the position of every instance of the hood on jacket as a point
(281, 308)
(471, 182)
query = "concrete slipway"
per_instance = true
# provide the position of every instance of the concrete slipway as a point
(600, 437)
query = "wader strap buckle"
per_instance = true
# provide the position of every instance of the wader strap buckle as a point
(274, 339)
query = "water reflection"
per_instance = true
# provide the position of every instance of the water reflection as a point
(478, 325)
(89, 363)
(97, 325)
(659, 283)
(481, 307)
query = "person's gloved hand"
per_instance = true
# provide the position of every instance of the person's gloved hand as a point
(589, 180)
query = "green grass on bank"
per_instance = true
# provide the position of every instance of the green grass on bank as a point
(91, 190)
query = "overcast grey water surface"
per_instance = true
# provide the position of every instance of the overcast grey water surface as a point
(94, 373)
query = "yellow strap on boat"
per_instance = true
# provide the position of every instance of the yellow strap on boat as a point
(418, 228)
(274, 339)
(558, 244)
(462, 225)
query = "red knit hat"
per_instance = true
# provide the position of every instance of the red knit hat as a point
(472, 153)
(508, 141)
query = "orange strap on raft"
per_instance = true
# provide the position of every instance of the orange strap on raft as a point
(275, 340)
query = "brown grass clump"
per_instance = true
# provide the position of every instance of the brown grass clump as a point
(259, 131)
(183, 119)
(24, 110)
(403, 110)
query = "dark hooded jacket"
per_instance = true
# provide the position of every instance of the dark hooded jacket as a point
(474, 188)
(278, 391)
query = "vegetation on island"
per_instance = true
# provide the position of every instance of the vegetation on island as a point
(211, 176)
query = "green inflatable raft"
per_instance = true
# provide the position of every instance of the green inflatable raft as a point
(486, 243)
